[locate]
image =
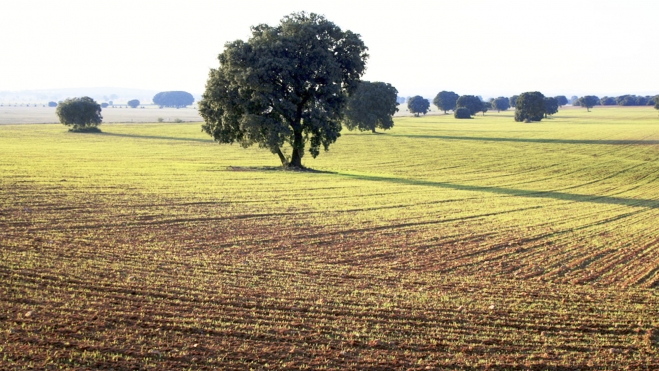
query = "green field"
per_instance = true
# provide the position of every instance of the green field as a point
(441, 244)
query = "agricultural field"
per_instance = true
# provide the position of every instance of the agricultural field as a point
(441, 244)
(17, 114)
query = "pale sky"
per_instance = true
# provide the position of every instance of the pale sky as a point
(487, 48)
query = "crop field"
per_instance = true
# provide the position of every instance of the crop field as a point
(17, 114)
(441, 244)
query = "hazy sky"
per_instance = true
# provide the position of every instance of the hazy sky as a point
(421, 47)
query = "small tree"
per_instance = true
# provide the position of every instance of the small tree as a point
(513, 100)
(462, 113)
(501, 104)
(551, 106)
(485, 107)
(371, 106)
(80, 114)
(470, 102)
(52, 104)
(175, 99)
(104, 105)
(588, 101)
(561, 100)
(445, 100)
(656, 102)
(417, 104)
(530, 107)
(133, 103)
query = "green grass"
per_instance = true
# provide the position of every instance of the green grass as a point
(443, 243)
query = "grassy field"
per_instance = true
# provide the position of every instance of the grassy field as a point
(10, 114)
(442, 244)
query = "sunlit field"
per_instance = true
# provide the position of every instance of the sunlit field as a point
(440, 244)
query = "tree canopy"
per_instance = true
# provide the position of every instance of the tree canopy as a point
(551, 106)
(530, 106)
(470, 102)
(52, 104)
(588, 101)
(286, 84)
(656, 102)
(446, 100)
(418, 104)
(175, 99)
(133, 103)
(561, 100)
(80, 114)
(513, 100)
(371, 106)
(501, 104)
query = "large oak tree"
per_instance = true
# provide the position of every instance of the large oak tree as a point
(287, 84)
(445, 100)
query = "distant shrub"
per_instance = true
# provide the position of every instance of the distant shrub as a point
(462, 113)
(52, 104)
(178, 121)
(160, 119)
(104, 105)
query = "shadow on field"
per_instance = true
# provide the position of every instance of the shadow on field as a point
(156, 137)
(651, 204)
(534, 140)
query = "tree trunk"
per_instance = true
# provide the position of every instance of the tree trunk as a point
(373, 130)
(298, 149)
(284, 163)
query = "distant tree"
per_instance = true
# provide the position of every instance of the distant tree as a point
(286, 85)
(104, 105)
(551, 106)
(417, 104)
(462, 113)
(561, 100)
(372, 106)
(530, 107)
(113, 96)
(485, 106)
(445, 100)
(470, 102)
(80, 114)
(111, 103)
(133, 103)
(588, 101)
(574, 100)
(175, 99)
(513, 100)
(52, 104)
(656, 102)
(608, 101)
(501, 104)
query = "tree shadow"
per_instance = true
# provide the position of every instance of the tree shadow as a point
(534, 140)
(632, 202)
(156, 137)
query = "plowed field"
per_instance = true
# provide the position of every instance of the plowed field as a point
(442, 244)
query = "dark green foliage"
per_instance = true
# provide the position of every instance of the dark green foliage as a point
(446, 100)
(175, 99)
(133, 103)
(633, 100)
(656, 102)
(561, 100)
(608, 101)
(501, 104)
(530, 107)
(286, 84)
(52, 104)
(104, 105)
(551, 106)
(470, 102)
(371, 106)
(485, 107)
(462, 113)
(418, 104)
(513, 100)
(80, 114)
(588, 101)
